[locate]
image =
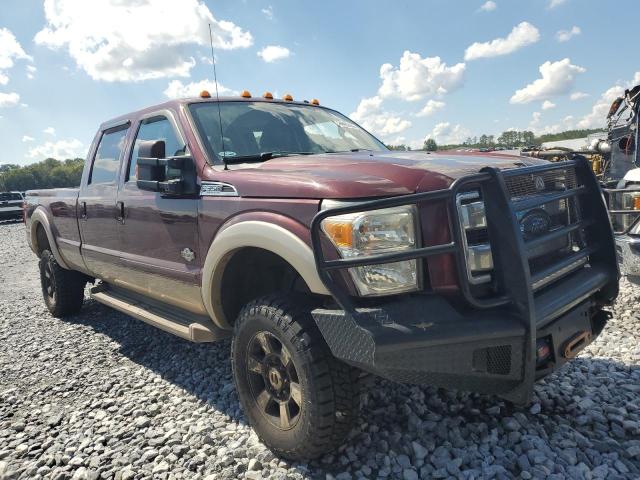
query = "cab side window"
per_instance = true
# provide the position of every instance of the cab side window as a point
(107, 159)
(156, 128)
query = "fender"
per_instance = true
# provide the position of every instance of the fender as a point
(259, 234)
(39, 216)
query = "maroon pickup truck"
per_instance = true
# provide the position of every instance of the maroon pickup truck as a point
(326, 256)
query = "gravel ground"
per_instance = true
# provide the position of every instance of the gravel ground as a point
(103, 395)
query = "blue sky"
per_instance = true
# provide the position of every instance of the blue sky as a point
(405, 70)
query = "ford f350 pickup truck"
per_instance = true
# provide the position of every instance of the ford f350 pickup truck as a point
(326, 256)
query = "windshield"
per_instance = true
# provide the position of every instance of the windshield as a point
(262, 130)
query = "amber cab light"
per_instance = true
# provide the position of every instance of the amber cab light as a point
(288, 98)
(245, 94)
(205, 94)
(315, 102)
(268, 95)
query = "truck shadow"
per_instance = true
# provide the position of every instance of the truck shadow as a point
(575, 403)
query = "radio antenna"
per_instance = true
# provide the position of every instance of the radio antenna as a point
(215, 79)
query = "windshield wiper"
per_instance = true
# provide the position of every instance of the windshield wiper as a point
(260, 157)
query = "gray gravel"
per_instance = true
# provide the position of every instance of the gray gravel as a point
(103, 395)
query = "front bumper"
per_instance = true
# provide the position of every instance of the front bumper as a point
(487, 344)
(425, 339)
(10, 213)
(628, 250)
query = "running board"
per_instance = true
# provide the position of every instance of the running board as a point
(166, 317)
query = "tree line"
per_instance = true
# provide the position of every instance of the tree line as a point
(50, 173)
(510, 138)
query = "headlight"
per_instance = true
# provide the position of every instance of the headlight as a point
(630, 201)
(376, 232)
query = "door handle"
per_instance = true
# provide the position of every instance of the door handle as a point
(84, 210)
(121, 212)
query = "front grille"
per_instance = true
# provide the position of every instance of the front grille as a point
(541, 183)
(546, 218)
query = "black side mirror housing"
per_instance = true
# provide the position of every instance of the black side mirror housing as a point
(173, 176)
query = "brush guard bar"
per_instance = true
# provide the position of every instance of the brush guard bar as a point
(399, 333)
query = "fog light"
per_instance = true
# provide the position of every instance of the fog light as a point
(543, 351)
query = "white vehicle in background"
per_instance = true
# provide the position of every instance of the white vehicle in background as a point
(615, 160)
(11, 205)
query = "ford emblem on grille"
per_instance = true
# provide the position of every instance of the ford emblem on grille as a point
(535, 223)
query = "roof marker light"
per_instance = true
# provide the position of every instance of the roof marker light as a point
(315, 102)
(205, 94)
(267, 95)
(288, 98)
(245, 94)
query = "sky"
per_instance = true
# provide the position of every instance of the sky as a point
(406, 71)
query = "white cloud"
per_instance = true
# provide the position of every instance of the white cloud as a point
(268, 12)
(62, 149)
(9, 99)
(521, 35)
(372, 117)
(488, 6)
(177, 89)
(31, 70)
(50, 131)
(27, 138)
(566, 35)
(273, 53)
(535, 125)
(134, 40)
(430, 108)
(578, 95)
(444, 133)
(558, 78)
(597, 117)
(535, 119)
(10, 50)
(417, 77)
(556, 3)
(547, 105)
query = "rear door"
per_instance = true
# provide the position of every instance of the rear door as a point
(157, 233)
(97, 205)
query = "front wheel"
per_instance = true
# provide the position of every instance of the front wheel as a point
(62, 289)
(301, 401)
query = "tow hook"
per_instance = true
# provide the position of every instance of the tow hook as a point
(575, 344)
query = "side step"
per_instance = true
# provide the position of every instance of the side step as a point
(166, 317)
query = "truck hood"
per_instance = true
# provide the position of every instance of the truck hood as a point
(360, 174)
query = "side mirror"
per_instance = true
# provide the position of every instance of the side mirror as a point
(170, 176)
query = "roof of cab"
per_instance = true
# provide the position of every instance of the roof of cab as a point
(174, 104)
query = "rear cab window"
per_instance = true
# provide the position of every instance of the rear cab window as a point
(106, 161)
(155, 128)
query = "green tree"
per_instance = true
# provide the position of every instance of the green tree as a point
(50, 173)
(430, 145)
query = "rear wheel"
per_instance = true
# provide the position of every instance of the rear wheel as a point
(300, 400)
(62, 289)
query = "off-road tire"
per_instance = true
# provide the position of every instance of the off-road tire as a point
(330, 389)
(62, 289)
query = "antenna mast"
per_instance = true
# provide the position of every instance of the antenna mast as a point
(215, 79)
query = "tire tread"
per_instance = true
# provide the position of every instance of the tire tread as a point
(337, 384)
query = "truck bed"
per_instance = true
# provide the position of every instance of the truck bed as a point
(60, 207)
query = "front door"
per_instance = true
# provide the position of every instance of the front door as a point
(97, 205)
(158, 234)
